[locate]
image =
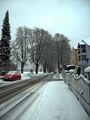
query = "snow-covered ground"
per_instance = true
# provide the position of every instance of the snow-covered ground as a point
(58, 76)
(55, 102)
(24, 76)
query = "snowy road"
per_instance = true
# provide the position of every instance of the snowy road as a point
(53, 101)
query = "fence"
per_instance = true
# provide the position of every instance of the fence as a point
(81, 88)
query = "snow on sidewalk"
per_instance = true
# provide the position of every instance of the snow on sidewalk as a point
(55, 102)
(58, 76)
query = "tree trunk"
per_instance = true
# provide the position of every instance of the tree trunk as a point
(37, 68)
(22, 67)
(44, 68)
(58, 67)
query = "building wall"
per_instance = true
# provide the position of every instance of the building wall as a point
(83, 54)
(74, 56)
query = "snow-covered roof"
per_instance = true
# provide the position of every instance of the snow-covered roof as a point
(70, 65)
(87, 41)
(87, 69)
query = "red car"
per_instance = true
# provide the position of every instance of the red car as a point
(13, 75)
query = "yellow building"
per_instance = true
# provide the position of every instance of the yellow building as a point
(74, 56)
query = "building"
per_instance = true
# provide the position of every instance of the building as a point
(83, 54)
(74, 56)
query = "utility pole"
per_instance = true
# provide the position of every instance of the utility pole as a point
(81, 59)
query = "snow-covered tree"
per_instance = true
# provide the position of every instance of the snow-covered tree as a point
(48, 60)
(5, 42)
(39, 43)
(63, 50)
(19, 47)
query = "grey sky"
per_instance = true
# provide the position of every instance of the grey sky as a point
(68, 17)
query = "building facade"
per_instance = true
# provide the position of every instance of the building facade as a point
(83, 54)
(74, 56)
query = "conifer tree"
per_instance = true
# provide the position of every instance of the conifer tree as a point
(5, 42)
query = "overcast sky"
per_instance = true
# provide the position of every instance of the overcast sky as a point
(68, 17)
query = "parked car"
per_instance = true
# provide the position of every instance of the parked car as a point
(70, 68)
(12, 75)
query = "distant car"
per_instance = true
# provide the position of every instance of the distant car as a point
(12, 75)
(69, 67)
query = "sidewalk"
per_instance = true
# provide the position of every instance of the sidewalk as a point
(55, 102)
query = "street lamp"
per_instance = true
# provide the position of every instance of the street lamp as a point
(81, 58)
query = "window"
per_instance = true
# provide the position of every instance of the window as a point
(83, 57)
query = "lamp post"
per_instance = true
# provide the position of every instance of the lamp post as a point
(81, 58)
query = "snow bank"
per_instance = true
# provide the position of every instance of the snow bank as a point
(25, 75)
(58, 76)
